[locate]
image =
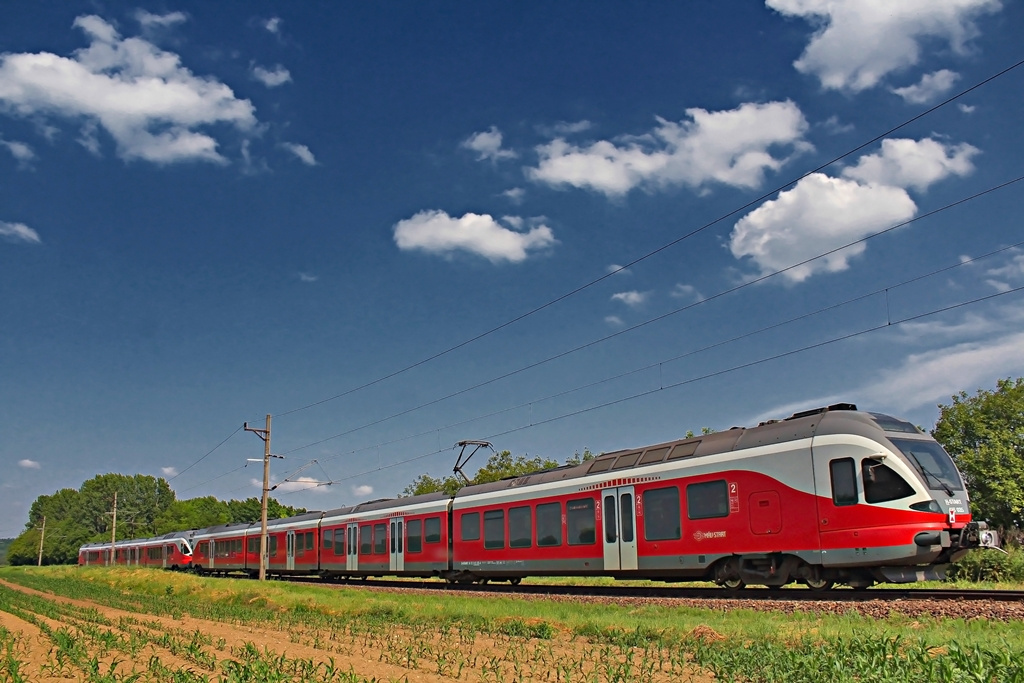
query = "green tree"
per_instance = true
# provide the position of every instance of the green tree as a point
(194, 513)
(984, 434)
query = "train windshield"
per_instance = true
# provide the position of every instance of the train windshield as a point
(933, 462)
(185, 549)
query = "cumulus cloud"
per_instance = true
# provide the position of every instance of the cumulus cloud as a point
(29, 464)
(614, 320)
(302, 152)
(18, 232)
(169, 471)
(364, 490)
(514, 195)
(681, 291)
(633, 299)
(913, 163)
(151, 105)
(149, 20)
(821, 213)
(436, 232)
(293, 485)
(273, 25)
(732, 147)
(487, 145)
(858, 43)
(1006, 277)
(929, 87)
(272, 77)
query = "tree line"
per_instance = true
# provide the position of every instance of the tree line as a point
(984, 434)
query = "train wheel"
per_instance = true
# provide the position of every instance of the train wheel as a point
(819, 584)
(733, 584)
(516, 581)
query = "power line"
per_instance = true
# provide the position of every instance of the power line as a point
(210, 452)
(659, 318)
(709, 375)
(652, 253)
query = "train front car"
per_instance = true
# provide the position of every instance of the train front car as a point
(892, 506)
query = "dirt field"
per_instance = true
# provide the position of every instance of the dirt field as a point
(51, 638)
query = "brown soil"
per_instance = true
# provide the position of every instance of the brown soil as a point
(397, 655)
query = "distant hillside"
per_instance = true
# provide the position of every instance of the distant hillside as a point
(4, 543)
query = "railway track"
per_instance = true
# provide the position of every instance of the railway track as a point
(689, 593)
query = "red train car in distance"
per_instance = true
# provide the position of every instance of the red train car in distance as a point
(170, 551)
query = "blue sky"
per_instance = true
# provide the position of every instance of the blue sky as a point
(214, 211)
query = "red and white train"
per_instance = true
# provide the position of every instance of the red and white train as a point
(827, 496)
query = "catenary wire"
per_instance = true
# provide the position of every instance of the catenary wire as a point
(659, 318)
(651, 253)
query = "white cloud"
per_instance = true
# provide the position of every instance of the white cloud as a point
(149, 103)
(272, 77)
(833, 126)
(819, 214)
(617, 269)
(18, 232)
(614, 320)
(487, 145)
(913, 163)
(858, 42)
(633, 299)
(1005, 278)
(293, 485)
(308, 277)
(929, 87)
(301, 151)
(681, 291)
(29, 464)
(21, 152)
(149, 20)
(364, 490)
(932, 376)
(965, 108)
(169, 471)
(514, 195)
(730, 147)
(273, 25)
(566, 128)
(436, 232)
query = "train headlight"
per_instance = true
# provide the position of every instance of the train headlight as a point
(927, 506)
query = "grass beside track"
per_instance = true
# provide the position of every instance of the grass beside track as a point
(607, 642)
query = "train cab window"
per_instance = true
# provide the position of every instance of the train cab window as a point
(661, 514)
(494, 529)
(414, 536)
(432, 530)
(549, 524)
(654, 455)
(380, 539)
(581, 523)
(471, 526)
(520, 528)
(683, 450)
(707, 500)
(881, 483)
(624, 461)
(365, 539)
(601, 465)
(339, 541)
(843, 473)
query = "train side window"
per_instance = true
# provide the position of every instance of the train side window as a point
(882, 483)
(654, 455)
(661, 514)
(253, 544)
(380, 539)
(519, 528)
(471, 526)
(684, 450)
(365, 539)
(310, 543)
(707, 500)
(414, 531)
(328, 539)
(202, 548)
(432, 530)
(339, 541)
(581, 521)
(273, 546)
(549, 524)
(843, 473)
(494, 529)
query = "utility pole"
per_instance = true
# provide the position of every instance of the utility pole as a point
(113, 533)
(42, 535)
(265, 435)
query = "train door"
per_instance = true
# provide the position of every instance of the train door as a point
(352, 548)
(290, 551)
(618, 506)
(397, 545)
